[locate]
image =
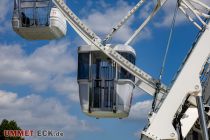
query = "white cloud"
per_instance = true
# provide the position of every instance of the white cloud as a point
(34, 112)
(5, 8)
(54, 58)
(146, 10)
(67, 86)
(103, 22)
(140, 110)
(47, 67)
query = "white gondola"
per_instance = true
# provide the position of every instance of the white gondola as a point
(105, 89)
(38, 20)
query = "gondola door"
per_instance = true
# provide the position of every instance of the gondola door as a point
(103, 85)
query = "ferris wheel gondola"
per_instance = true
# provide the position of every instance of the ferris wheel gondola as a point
(38, 20)
(105, 88)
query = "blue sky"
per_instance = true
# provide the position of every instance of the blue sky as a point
(38, 85)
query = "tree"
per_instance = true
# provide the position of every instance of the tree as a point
(9, 125)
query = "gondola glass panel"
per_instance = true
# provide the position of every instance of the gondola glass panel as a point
(105, 89)
(38, 20)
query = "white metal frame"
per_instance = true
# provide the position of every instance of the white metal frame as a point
(123, 21)
(137, 32)
(190, 7)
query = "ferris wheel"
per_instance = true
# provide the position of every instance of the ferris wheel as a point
(107, 73)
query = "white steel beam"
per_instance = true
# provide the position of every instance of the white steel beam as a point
(188, 121)
(123, 21)
(189, 7)
(137, 32)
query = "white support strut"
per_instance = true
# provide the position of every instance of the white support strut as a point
(190, 18)
(146, 82)
(137, 32)
(123, 21)
(190, 7)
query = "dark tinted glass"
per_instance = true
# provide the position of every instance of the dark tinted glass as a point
(83, 66)
(124, 74)
(34, 12)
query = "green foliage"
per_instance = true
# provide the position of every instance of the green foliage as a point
(9, 125)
